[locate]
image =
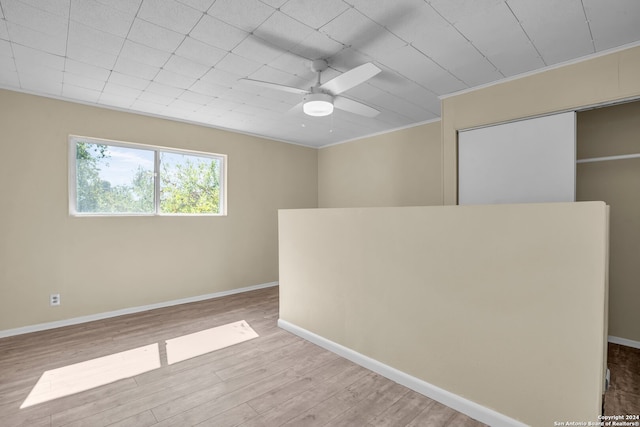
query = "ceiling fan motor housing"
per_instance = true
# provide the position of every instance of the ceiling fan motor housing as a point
(319, 65)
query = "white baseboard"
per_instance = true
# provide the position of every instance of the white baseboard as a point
(130, 310)
(623, 341)
(460, 404)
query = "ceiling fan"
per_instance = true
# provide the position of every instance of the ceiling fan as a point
(321, 98)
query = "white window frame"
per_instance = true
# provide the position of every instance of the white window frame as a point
(72, 184)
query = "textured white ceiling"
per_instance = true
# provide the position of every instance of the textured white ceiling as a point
(184, 59)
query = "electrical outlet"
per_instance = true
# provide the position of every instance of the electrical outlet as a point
(54, 299)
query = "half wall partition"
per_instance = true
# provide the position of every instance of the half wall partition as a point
(498, 311)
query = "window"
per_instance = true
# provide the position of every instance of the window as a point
(114, 178)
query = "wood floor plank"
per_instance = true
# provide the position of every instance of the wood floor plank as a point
(222, 358)
(357, 391)
(255, 363)
(141, 419)
(461, 420)
(281, 371)
(224, 402)
(231, 418)
(623, 396)
(376, 402)
(68, 402)
(335, 366)
(276, 379)
(260, 379)
(403, 411)
(319, 415)
(436, 415)
(28, 422)
(124, 406)
(117, 401)
(305, 401)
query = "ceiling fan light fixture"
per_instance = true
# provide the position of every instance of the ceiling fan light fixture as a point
(318, 104)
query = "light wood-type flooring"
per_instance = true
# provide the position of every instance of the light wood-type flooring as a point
(276, 379)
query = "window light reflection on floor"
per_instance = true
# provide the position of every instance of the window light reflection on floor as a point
(196, 344)
(93, 373)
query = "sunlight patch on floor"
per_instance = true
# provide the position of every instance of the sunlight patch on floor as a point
(198, 343)
(83, 376)
(93, 373)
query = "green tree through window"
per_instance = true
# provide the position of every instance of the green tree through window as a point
(189, 185)
(121, 179)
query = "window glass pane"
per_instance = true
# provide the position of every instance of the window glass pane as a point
(189, 184)
(112, 179)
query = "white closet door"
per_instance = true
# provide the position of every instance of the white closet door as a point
(528, 161)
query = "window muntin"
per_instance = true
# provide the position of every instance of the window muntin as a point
(114, 178)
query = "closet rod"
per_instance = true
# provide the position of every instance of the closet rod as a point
(604, 159)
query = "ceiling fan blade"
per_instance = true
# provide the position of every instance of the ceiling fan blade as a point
(275, 86)
(295, 109)
(351, 78)
(355, 107)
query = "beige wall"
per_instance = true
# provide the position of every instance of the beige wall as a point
(105, 264)
(605, 132)
(602, 79)
(419, 171)
(502, 305)
(401, 168)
